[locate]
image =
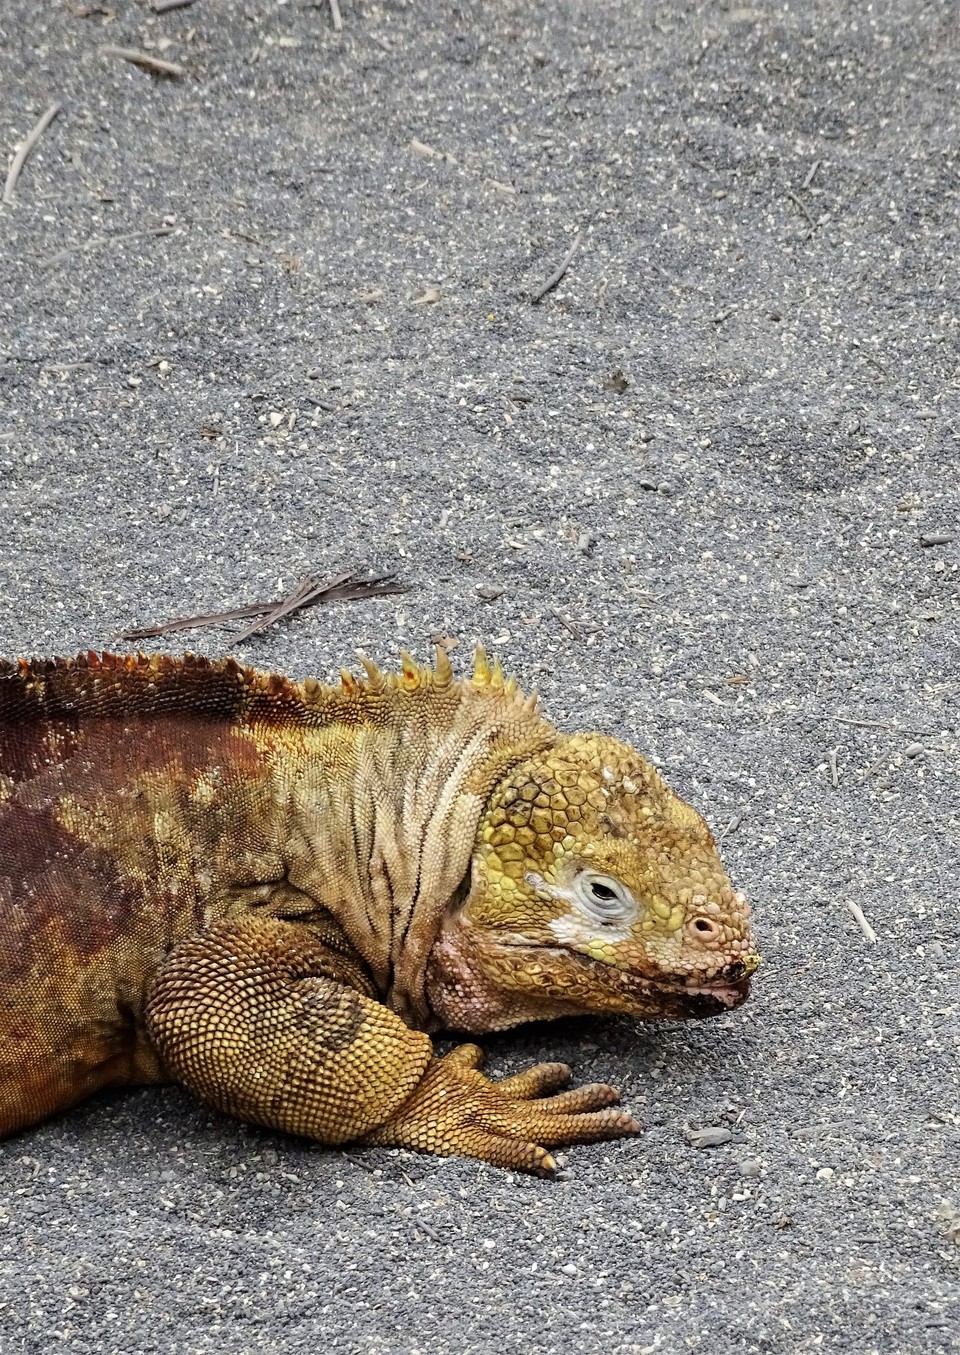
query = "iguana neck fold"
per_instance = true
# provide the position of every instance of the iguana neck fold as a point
(385, 812)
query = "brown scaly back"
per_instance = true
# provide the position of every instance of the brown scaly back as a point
(106, 684)
(109, 685)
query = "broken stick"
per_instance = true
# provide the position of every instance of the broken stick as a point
(555, 277)
(24, 149)
(347, 586)
(152, 64)
(856, 912)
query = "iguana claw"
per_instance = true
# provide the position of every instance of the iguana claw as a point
(455, 1109)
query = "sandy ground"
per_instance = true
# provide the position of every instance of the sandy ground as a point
(275, 315)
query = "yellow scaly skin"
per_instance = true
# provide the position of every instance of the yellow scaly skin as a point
(271, 892)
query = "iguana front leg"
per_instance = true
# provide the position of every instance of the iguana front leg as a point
(261, 1020)
(254, 1017)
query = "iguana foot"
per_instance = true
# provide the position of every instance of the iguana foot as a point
(456, 1110)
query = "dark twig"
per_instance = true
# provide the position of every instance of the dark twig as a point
(705, 45)
(24, 149)
(810, 177)
(555, 277)
(96, 241)
(834, 769)
(346, 586)
(874, 363)
(571, 626)
(359, 1162)
(152, 64)
(307, 590)
(800, 204)
(188, 622)
(875, 724)
(234, 614)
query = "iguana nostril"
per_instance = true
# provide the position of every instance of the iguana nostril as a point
(706, 928)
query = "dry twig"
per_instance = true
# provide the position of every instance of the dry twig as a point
(578, 629)
(24, 149)
(731, 827)
(307, 590)
(345, 586)
(856, 912)
(555, 277)
(95, 241)
(810, 177)
(335, 16)
(801, 205)
(832, 764)
(152, 64)
(876, 724)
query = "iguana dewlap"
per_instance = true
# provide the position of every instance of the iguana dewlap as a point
(271, 891)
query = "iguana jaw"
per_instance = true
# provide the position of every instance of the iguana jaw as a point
(479, 981)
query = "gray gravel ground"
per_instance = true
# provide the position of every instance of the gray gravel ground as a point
(275, 315)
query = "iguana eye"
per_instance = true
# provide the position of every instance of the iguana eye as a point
(603, 897)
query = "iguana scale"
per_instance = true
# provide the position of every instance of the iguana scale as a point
(271, 892)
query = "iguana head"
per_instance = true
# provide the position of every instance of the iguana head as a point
(593, 888)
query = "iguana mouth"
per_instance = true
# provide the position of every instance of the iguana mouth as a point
(664, 997)
(691, 998)
(730, 985)
(713, 998)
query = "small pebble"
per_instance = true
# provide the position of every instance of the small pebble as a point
(710, 1137)
(749, 1168)
(913, 750)
(568, 1269)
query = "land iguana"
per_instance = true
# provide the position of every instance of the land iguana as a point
(270, 892)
